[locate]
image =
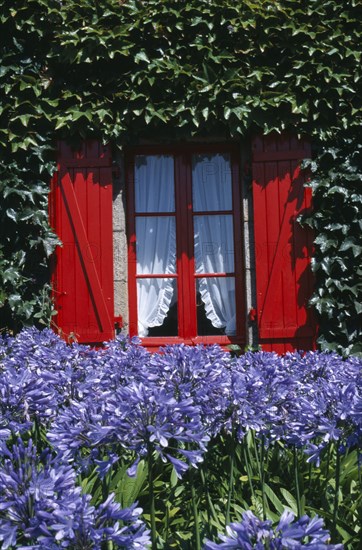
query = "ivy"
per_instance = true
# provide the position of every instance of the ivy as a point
(336, 183)
(121, 69)
(26, 244)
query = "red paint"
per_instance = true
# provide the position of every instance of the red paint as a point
(282, 248)
(83, 271)
(81, 213)
(252, 314)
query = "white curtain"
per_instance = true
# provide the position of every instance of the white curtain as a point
(213, 238)
(154, 184)
(156, 239)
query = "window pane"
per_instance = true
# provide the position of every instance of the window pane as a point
(154, 183)
(216, 313)
(211, 182)
(214, 244)
(156, 245)
(157, 307)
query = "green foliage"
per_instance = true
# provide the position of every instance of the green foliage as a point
(264, 480)
(119, 70)
(336, 182)
(118, 67)
(26, 244)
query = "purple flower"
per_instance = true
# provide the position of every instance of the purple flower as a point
(262, 395)
(39, 373)
(199, 373)
(250, 533)
(23, 398)
(137, 418)
(253, 533)
(305, 532)
(41, 506)
(148, 418)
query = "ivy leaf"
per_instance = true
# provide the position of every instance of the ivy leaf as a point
(12, 214)
(141, 56)
(14, 300)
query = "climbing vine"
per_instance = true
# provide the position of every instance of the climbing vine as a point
(121, 70)
(337, 222)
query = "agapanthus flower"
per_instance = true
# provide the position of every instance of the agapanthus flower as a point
(148, 418)
(23, 399)
(253, 533)
(201, 373)
(124, 361)
(138, 418)
(41, 507)
(356, 410)
(38, 374)
(80, 433)
(262, 395)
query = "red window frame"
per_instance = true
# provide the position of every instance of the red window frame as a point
(185, 263)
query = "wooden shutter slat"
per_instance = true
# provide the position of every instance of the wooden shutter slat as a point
(276, 270)
(83, 274)
(283, 248)
(83, 247)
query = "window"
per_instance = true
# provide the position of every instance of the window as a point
(185, 253)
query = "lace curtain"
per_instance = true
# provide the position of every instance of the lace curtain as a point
(214, 239)
(156, 239)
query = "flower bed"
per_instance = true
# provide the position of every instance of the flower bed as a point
(197, 439)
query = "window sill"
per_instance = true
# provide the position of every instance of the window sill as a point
(154, 343)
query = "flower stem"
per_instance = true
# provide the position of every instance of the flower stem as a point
(260, 467)
(231, 479)
(262, 475)
(211, 512)
(37, 435)
(336, 494)
(151, 496)
(247, 466)
(195, 513)
(296, 481)
(328, 464)
(256, 453)
(309, 477)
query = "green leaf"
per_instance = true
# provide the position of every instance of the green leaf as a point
(12, 214)
(205, 113)
(129, 488)
(274, 499)
(292, 503)
(141, 56)
(60, 123)
(174, 478)
(11, 274)
(14, 300)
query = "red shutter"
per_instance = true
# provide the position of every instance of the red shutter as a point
(82, 218)
(282, 248)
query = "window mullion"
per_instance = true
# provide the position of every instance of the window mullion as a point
(132, 262)
(184, 236)
(191, 298)
(238, 257)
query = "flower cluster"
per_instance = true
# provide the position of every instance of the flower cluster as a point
(124, 394)
(253, 533)
(41, 504)
(137, 417)
(108, 408)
